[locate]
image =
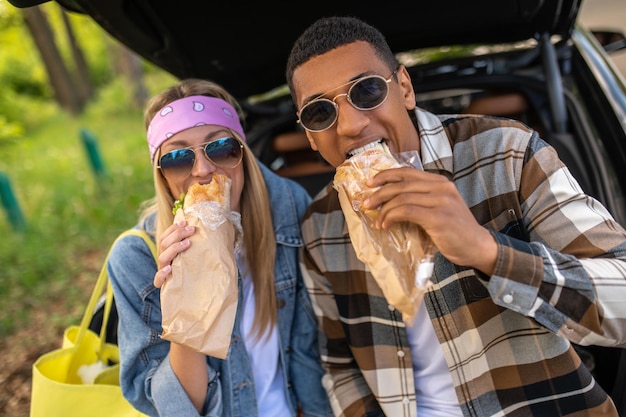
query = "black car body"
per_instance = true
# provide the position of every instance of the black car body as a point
(526, 59)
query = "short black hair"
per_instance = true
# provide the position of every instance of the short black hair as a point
(328, 33)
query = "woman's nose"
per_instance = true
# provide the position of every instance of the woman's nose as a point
(202, 166)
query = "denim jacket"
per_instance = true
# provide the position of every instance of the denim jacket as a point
(146, 377)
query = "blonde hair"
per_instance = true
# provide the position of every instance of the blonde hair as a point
(258, 234)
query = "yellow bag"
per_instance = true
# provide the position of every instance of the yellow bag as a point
(58, 389)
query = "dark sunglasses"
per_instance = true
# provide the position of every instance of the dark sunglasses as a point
(224, 153)
(365, 93)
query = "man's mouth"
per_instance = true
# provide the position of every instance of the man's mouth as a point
(371, 145)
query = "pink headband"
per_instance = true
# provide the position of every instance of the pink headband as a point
(190, 112)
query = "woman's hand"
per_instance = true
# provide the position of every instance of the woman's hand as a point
(174, 240)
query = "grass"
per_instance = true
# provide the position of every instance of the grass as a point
(72, 213)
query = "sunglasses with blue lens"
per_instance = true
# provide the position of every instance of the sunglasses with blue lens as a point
(224, 152)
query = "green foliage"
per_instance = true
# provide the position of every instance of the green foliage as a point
(72, 215)
(8, 130)
(98, 43)
(24, 79)
(22, 111)
(21, 70)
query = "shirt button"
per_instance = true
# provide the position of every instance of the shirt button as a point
(400, 354)
(391, 308)
(508, 298)
(405, 400)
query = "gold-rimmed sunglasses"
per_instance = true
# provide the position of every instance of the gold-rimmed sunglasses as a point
(365, 93)
(224, 152)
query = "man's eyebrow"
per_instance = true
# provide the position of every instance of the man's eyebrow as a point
(319, 95)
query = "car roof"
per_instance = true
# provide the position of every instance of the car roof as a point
(244, 47)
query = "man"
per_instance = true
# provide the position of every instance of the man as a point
(526, 262)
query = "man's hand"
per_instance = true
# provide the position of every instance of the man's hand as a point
(433, 202)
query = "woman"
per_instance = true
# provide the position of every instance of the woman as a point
(272, 367)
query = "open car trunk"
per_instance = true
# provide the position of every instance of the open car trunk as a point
(245, 47)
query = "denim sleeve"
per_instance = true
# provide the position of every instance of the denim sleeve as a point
(306, 371)
(171, 399)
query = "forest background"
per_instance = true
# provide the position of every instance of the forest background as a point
(74, 168)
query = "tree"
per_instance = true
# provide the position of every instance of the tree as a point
(127, 64)
(58, 73)
(82, 79)
(70, 79)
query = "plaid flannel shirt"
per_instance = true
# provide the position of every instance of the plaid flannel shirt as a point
(560, 276)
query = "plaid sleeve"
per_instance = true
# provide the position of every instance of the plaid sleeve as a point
(572, 277)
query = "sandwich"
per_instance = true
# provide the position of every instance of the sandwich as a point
(199, 301)
(355, 171)
(399, 258)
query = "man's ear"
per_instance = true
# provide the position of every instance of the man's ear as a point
(311, 141)
(404, 81)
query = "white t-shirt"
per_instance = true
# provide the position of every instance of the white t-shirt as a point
(434, 390)
(264, 357)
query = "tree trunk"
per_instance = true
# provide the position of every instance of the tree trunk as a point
(128, 65)
(83, 80)
(58, 73)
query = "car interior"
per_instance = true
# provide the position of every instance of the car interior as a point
(524, 84)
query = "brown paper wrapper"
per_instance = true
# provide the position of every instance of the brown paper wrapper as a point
(399, 258)
(199, 301)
